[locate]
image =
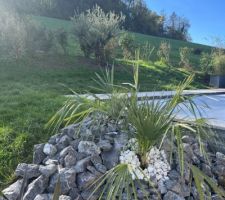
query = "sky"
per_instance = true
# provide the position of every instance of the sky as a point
(207, 17)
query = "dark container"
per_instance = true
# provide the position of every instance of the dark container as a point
(217, 81)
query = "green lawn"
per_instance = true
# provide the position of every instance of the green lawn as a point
(32, 89)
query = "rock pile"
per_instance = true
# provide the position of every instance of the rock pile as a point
(75, 162)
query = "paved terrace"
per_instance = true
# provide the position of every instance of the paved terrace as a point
(214, 98)
(162, 94)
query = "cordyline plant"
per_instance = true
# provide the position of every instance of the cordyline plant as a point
(153, 121)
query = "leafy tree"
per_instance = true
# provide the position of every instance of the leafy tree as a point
(95, 29)
(144, 20)
(177, 27)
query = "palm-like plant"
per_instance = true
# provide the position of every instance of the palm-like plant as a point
(117, 182)
(153, 121)
(78, 107)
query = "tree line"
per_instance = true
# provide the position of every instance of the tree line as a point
(138, 17)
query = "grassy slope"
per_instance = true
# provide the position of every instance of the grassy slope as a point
(55, 24)
(31, 89)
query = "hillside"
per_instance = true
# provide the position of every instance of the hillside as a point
(140, 39)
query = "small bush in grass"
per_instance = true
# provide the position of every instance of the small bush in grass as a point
(128, 46)
(33, 37)
(95, 29)
(62, 39)
(39, 38)
(20, 36)
(164, 52)
(213, 63)
(206, 63)
(13, 34)
(185, 54)
(218, 63)
(197, 51)
(146, 51)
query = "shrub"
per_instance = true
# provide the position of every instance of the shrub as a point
(95, 29)
(213, 63)
(20, 36)
(164, 52)
(13, 34)
(128, 46)
(146, 51)
(206, 63)
(185, 54)
(62, 39)
(218, 64)
(39, 38)
(197, 51)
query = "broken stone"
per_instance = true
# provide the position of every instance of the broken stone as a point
(81, 165)
(49, 149)
(48, 170)
(110, 158)
(30, 170)
(85, 178)
(70, 160)
(13, 191)
(63, 142)
(172, 196)
(64, 197)
(36, 187)
(66, 151)
(104, 145)
(43, 197)
(38, 155)
(88, 147)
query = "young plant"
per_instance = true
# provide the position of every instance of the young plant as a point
(151, 120)
(128, 46)
(164, 53)
(218, 62)
(185, 53)
(146, 51)
(79, 107)
(62, 38)
(206, 63)
(117, 182)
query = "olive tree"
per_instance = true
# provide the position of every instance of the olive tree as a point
(95, 30)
